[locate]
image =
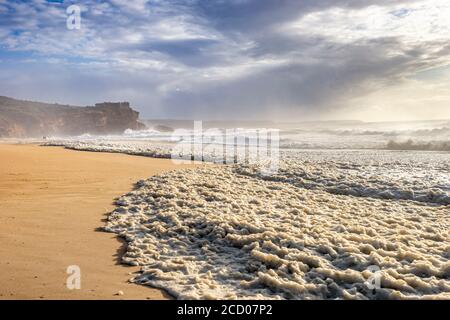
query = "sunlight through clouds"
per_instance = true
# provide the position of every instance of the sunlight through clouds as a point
(413, 24)
(310, 59)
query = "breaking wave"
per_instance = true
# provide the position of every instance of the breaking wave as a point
(419, 145)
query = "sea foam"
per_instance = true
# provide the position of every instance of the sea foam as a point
(326, 225)
(213, 233)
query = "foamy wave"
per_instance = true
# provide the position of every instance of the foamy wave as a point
(379, 174)
(419, 145)
(135, 148)
(314, 230)
(213, 233)
(429, 132)
(374, 174)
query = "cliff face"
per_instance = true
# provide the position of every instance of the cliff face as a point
(21, 119)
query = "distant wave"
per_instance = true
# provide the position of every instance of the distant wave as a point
(432, 132)
(329, 142)
(419, 145)
(355, 132)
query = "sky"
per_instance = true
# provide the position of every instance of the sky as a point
(289, 60)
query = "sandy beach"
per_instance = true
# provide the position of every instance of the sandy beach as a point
(52, 202)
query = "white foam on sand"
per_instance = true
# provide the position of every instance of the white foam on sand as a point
(417, 176)
(315, 230)
(408, 175)
(213, 233)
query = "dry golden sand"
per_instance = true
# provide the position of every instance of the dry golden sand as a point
(52, 201)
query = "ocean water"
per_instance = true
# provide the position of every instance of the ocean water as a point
(342, 217)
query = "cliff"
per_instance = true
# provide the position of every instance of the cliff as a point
(22, 119)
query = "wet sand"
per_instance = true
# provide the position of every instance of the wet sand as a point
(52, 202)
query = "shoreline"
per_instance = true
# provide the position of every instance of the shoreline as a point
(53, 203)
(317, 233)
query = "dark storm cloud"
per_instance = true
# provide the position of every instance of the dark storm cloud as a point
(300, 89)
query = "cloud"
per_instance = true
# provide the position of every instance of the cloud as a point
(228, 59)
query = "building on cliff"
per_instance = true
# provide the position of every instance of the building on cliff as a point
(19, 118)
